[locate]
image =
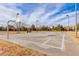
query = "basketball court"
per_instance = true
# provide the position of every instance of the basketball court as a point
(40, 38)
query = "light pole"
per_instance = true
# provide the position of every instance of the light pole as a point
(37, 25)
(17, 15)
(18, 23)
(68, 21)
(76, 19)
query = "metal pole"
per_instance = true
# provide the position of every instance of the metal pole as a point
(76, 18)
(37, 25)
(8, 30)
(19, 27)
(68, 21)
(17, 23)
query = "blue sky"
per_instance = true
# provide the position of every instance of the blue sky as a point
(48, 14)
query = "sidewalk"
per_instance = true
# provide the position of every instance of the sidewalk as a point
(73, 35)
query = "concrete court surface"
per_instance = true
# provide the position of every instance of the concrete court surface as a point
(35, 40)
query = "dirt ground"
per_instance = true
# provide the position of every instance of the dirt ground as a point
(73, 35)
(11, 49)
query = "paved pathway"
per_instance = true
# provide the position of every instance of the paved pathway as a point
(35, 39)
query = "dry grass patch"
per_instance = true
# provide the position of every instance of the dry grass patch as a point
(11, 49)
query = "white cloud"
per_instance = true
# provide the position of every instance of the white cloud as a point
(8, 12)
(64, 18)
(36, 14)
(44, 19)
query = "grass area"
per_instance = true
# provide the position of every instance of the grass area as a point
(11, 49)
(73, 35)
